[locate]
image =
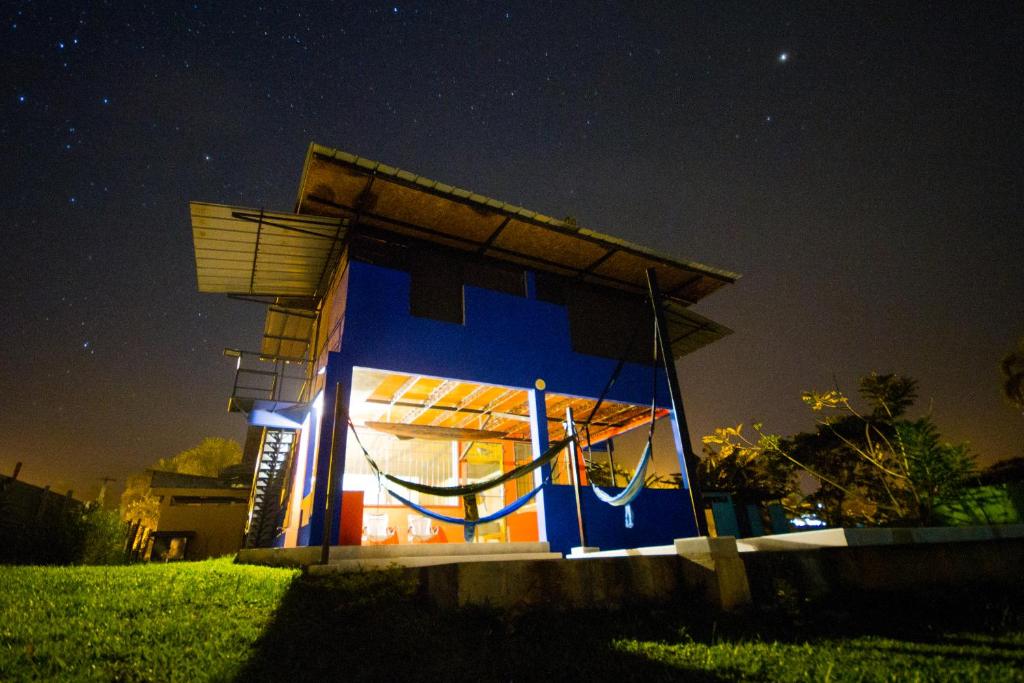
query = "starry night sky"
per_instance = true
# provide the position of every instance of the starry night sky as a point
(861, 167)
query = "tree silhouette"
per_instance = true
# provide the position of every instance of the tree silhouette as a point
(872, 466)
(1012, 366)
(206, 459)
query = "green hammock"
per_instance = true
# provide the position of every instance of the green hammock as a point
(467, 489)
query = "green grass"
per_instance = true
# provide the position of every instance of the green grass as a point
(136, 623)
(218, 621)
(850, 659)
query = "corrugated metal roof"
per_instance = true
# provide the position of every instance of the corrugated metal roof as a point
(287, 332)
(336, 183)
(262, 253)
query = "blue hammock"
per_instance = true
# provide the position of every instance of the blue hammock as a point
(470, 525)
(632, 489)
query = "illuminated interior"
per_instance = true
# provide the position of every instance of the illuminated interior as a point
(446, 432)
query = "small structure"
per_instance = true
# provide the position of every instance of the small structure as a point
(432, 357)
(200, 517)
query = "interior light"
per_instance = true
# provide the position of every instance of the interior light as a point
(318, 405)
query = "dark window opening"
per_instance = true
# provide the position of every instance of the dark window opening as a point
(436, 288)
(602, 322)
(495, 277)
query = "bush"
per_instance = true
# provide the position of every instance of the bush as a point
(103, 537)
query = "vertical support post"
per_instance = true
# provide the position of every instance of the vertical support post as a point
(539, 443)
(688, 461)
(574, 466)
(611, 461)
(335, 468)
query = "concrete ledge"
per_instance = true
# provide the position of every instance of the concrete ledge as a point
(279, 557)
(391, 554)
(728, 588)
(832, 538)
(371, 563)
(352, 552)
(1008, 530)
(908, 568)
(625, 552)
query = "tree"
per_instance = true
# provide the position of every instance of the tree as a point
(207, 459)
(733, 466)
(138, 504)
(1012, 366)
(1008, 471)
(872, 467)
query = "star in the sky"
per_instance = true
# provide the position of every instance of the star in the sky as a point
(783, 57)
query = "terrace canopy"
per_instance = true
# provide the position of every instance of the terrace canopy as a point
(286, 259)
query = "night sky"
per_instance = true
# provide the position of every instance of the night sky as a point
(861, 167)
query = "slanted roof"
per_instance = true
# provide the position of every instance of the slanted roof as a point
(262, 253)
(286, 259)
(176, 480)
(339, 184)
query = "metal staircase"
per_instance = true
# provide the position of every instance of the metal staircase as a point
(265, 502)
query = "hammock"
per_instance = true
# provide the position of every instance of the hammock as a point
(636, 482)
(632, 489)
(467, 489)
(468, 524)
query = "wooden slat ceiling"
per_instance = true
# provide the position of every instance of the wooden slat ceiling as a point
(338, 184)
(428, 403)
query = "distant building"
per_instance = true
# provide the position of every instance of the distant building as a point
(200, 517)
(451, 335)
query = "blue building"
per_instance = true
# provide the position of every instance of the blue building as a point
(420, 335)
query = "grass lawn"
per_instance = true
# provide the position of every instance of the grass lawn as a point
(218, 621)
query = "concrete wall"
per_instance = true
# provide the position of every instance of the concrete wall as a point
(832, 571)
(701, 574)
(659, 517)
(600, 583)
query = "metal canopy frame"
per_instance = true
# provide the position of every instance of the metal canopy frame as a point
(259, 254)
(336, 183)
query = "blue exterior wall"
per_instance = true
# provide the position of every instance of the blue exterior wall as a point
(505, 340)
(659, 517)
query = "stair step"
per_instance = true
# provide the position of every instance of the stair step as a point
(354, 565)
(362, 552)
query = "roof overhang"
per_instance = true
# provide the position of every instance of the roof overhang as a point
(286, 259)
(252, 252)
(365, 192)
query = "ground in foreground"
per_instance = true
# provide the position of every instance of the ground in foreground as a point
(219, 621)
